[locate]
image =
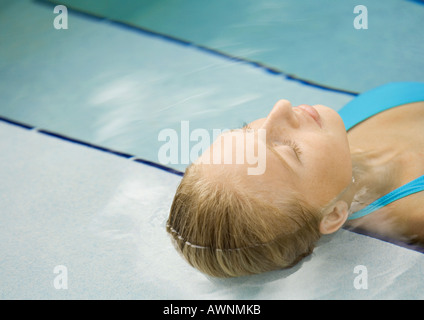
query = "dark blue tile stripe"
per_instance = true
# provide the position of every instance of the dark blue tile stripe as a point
(209, 50)
(159, 166)
(92, 146)
(16, 123)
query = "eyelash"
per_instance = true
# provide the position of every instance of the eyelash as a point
(294, 146)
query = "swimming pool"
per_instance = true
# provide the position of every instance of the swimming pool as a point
(82, 109)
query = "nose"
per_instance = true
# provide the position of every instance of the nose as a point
(282, 115)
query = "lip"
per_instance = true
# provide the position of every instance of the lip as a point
(312, 112)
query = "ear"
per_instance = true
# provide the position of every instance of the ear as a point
(334, 218)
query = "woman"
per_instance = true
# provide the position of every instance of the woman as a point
(318, 178)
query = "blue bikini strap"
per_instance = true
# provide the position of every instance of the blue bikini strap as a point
(414, 186)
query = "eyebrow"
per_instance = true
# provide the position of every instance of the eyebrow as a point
(244, 128)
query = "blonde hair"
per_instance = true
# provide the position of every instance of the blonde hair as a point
(228, 231)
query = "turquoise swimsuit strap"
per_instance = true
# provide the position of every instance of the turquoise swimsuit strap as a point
(414, 186)
(382, 98)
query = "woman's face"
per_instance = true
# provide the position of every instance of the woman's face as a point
(307, 151)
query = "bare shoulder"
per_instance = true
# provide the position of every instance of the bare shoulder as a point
(402, 220)
(402, 129)
(404, 120)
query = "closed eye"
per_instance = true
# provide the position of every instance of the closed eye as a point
(291, 143)
(294, 146)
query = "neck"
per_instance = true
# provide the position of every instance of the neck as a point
(375, 173)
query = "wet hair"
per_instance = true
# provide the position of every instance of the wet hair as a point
(227, 230)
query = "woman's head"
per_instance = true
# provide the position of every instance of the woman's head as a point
(229, 223)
